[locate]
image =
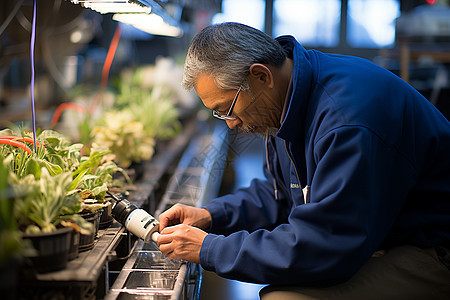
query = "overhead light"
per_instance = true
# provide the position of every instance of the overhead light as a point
(146, 15)
(116, 6)
(150, 23)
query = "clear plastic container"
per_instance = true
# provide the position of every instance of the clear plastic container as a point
(147, 280)
(153, 260)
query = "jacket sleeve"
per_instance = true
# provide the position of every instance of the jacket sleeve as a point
(357, 191)
(249, 208)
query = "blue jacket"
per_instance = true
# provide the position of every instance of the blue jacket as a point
(361, 162)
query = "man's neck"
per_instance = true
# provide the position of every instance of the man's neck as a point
(286, 74)
(285, 83)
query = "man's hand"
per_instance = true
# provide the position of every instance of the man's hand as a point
(183, 214)
(181, 242)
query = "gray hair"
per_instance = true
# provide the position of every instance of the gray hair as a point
(226, 51)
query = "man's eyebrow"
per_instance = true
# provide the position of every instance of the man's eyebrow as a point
(219, 107)
(216, 107)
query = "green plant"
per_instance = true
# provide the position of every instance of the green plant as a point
(36, 187)
(42, 204)
(152, 105)
(94, 174)
(60, 151)
(48, 184)
(156, 112)
(10, 237)
(125, 137)
(53, 151)
(91, 174)
(39, 181)
(142, 116)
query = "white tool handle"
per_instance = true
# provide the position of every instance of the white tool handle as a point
(155, 236)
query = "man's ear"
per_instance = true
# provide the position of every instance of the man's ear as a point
(261, 74)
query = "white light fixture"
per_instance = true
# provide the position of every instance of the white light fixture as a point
(115, 6)
(145, 15)
(150, 23)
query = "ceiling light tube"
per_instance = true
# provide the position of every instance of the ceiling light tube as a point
(151, 23)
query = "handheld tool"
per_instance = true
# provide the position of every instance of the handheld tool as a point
(136, 220)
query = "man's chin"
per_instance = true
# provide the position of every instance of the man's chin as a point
(271, 131)
(260, 130)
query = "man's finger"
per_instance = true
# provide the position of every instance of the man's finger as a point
(169, 217)
(163, 223)
(165, 235)
(169, 229)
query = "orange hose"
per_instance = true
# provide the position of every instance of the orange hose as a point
(15, 144)
(107, 66)
(105, 73)
(19, 138)
(62, 107)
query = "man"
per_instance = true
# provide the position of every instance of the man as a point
(356, 204)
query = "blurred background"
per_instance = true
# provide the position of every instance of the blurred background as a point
(84, 51)
(410, 38)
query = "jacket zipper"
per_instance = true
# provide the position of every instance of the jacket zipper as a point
(270, 171)
(295, 168)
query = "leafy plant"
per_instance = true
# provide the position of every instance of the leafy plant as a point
(142, 116)
(39, 181)
(93, 174)
(54, 152)
(10, 237)
(42, 204)
(60, 151)
(18, 156)
(47, 185)
(156, 112)
(125, 137)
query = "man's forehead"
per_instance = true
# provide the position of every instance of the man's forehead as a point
(207, 89)
(205, 81)
(212, 96)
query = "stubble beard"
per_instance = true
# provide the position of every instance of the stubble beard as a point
(266, 114)
(259, 130)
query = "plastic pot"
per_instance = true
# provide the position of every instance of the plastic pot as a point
(106, 219)
(52, 250)
(74, 245)
(87, 240)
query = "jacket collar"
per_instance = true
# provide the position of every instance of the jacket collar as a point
(302, 80)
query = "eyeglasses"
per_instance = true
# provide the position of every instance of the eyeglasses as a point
(228, 116)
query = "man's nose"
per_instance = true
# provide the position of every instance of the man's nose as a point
(232, 124)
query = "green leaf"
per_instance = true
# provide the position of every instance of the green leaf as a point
(100, 191)
(78, 223)
(92, 162)
(53, 169)
(33, 167)
(72, 204)
(76, 181)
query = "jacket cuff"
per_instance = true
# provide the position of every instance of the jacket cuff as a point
(207, 251)
(218, 216)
